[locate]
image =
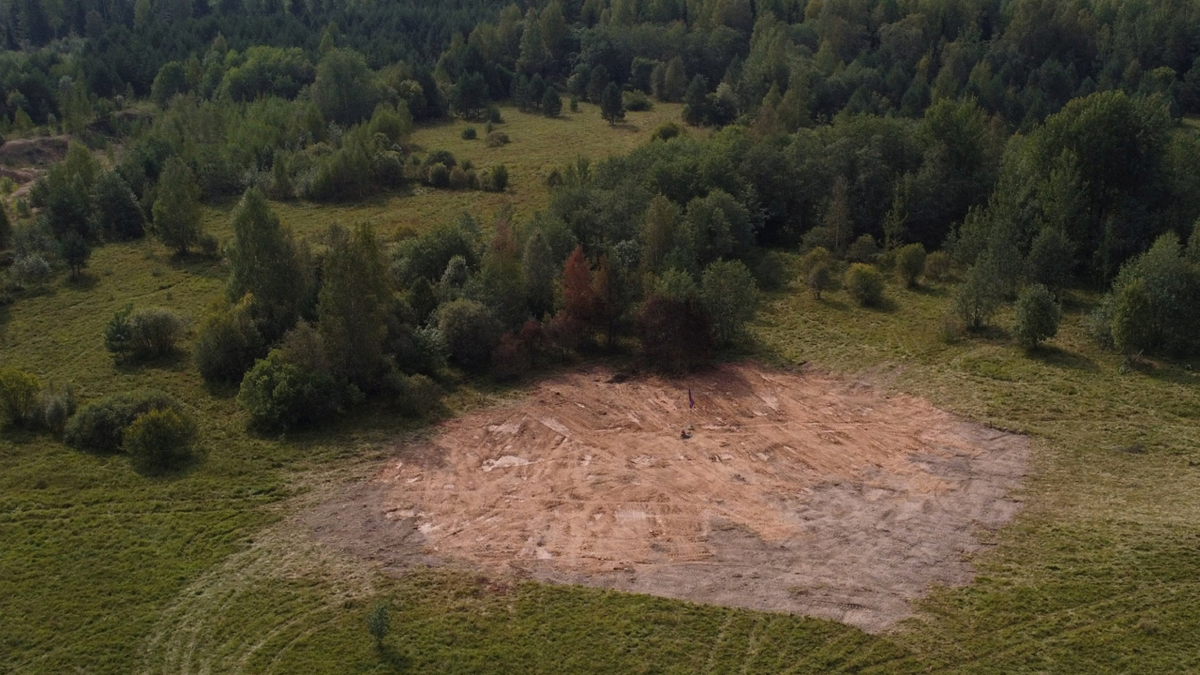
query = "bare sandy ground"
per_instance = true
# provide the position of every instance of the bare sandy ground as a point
(796, 492)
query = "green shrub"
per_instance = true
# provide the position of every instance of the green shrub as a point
(636, 101)
(978, 297)
(910, 263)
(415, 395)
(499, 177)
(820, 279)
(18, 398)
(154, 331)
(937, 266)
(865, 284)
(458, 179)
(227, 345)
(496, 139)
(118, 335)
(771, 271)
(863, 250)
(210, 246)
(30, 270)
(438, 176)
(279, 394)
(55, 407)
(817, 256)
(729, 295)
(471, 331)
(1037, 316)
(100, 425)
(160, 440)
(469, 134)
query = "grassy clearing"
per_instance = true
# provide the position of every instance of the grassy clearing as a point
(538, 145)
(104, 570)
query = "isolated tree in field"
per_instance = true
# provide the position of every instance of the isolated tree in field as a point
(378, 623)
(117, 212)
(352, 306)
(910, 263)
(74, 251)
(1154, 302)
(177, 209)
(729, 295)
(612, 108)
(551, 103)
(264, 262)
(1037, 316)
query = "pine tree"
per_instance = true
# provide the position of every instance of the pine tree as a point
(520, 92)
(612, 108)
(597, 82)
(551, 103)
(177, 210)
(695, 101)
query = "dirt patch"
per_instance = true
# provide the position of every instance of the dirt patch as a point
(794, 492)
(33, 152)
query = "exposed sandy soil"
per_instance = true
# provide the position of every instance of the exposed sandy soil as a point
(796, 492)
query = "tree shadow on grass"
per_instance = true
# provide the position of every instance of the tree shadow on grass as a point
(393, 660)
(83, 282)
(930, 291)
(1060, 358)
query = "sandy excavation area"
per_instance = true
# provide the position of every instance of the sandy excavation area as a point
(796, 492)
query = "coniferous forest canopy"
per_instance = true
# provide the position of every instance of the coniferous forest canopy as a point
(1029, 156)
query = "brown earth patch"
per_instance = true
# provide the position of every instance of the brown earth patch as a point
(33, 152)
(795, 492)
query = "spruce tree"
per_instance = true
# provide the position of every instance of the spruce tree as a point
(612, 109)
(551, 103)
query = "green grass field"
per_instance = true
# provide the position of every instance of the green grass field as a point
(104, 570)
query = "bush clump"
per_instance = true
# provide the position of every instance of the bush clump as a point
(227, 345)
(865, 284)
(910, 263)
(143, 334)
(100, 425)
(469, 134)
(160, 440)
(937, 266)
(1037, 316)
(471, 332)
(283, 392)
(496, 139)
(18, 398)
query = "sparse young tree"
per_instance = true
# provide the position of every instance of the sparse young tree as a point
(729, 295)
(1051, 259)
(910, 263)
(177, 209)
(352, 306)
(1037, 316)
(820, 279)
(837, 216)
(978, 297)
(537, 263)
(265, 263)
(378, 623)
(74, 251)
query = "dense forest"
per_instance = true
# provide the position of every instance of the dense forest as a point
(1028, 146)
